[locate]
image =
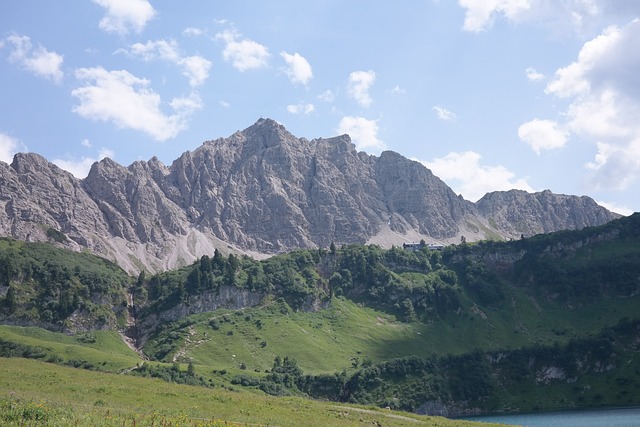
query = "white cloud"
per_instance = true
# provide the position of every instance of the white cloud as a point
(543, 135)
(38, 60)
(614, 166)
(123, 16)
(9, 147)
(298, 68)
(574, 16)
(358, 86)
(301, 108)
(464, 173)
(363, 132)
(192, 32)
(327, 96)
(596, 54)
(533, 75)
(80, 168)
(187, 104)
(224, 104)
(195, 68)
(603, 88)
(244, 54)
(603, 115)
(128, 102)
(152, 50)
(614, 207)
(480, 14)
(397, 90)
(444, 114)
(86, 143)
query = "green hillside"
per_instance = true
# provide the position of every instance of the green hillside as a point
(42, 394)
(384, 304)
(548, 322)
(60, 289)
(98, 350)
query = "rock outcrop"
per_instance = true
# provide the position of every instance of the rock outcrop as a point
(262, 191)
(517, 212)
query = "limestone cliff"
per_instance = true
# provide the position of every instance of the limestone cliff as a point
(262, 191)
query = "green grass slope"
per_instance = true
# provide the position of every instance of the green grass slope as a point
(37, 393)
(103, 350)
(324, 341)
(347, 333)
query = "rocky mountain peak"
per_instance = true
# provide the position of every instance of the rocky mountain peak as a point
(156, 164)
(24, 163)
(262, 191)
(267, 127)
(268, 134)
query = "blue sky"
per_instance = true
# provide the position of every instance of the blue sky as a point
(489, 94)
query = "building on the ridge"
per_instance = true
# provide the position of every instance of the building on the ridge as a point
(415, 247)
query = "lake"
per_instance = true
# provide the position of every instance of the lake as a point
(626, 417)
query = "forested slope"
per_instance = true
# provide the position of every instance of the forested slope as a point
(544, 322)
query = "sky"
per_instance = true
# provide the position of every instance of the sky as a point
(488, 94)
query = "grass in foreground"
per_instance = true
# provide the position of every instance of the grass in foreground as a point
(42, 394)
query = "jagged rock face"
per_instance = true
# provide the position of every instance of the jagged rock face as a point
(36, 196)
(520, 213)
(135, 208)
(262, 191)
(419, 199)
(267, 191)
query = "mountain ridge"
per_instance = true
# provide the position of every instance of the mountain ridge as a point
(259, 192)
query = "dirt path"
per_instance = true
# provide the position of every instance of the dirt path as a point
(188, 343)
(346, 409)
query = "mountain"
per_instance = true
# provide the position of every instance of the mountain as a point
(542, 323)
(517, 212)
(262, 191)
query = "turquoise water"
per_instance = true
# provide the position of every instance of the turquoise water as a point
(628, 417)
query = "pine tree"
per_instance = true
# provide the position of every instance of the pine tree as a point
(194, 282)
(205, 264)
(10, 299)
(218, 261)
(141, 279)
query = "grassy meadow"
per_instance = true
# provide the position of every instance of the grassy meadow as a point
(333, 339)
(36, 393)
(100, 350)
